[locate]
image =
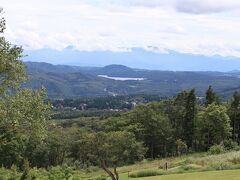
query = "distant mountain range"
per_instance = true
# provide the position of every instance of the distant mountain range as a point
(62, 81)
(135, 58)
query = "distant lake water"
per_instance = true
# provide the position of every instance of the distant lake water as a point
(122, 78)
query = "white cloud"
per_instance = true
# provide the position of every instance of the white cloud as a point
(206, 27)
(190, 6)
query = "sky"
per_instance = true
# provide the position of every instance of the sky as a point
(204, 27)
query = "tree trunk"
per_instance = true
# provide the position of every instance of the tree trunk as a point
(208, 139)
(108, 171)
(152, 150)
(116, 173)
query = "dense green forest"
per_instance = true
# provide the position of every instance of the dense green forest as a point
(73, 82)
(108, 102)
(31, 141)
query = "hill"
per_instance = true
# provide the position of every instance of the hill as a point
(75, 81)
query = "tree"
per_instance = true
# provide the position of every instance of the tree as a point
(80, 145)
(211, 96)
(112, 150)
(152, 127)
(214, 124)
(182, 114)
(234, 114)
(181, 147)
(2, 22)
(189, 118)
(23, 113)
(23, 119)
(52, 151)
(11, 68)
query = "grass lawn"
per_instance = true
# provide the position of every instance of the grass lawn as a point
(210, 175)
(197, 166)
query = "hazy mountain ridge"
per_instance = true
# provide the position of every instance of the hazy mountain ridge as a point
(136, 58)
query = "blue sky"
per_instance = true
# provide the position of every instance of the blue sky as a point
(204, 27)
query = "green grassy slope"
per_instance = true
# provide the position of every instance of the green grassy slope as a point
(211, 175)
(189, 167)
(196, 166)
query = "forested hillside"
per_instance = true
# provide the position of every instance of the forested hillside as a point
(72, 81)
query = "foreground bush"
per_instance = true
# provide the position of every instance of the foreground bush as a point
(145, 173)
(216, 149)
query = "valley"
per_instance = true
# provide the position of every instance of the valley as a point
(63, 81)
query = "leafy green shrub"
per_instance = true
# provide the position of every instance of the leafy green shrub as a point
(183, 162)
(230, 144)
(221, 166)
(191, 167)
(216, 149)
(67, 172)
(92, 169)
(145, 173)
(7, 174)
(185, 168)
(14, 173)
(232, 157)
(235, 160)
(236, 148)
(101, 178)
(181, 147)
(59, 173)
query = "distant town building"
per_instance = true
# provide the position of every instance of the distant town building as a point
(134, 104)
(83, 106)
